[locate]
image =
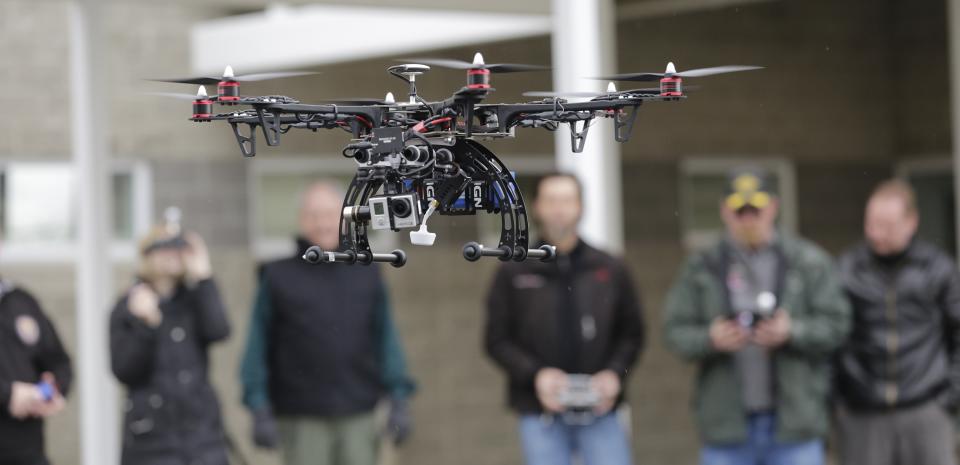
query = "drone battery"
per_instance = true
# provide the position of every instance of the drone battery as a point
(387, 140)
(460, 205)
(448, 191)
(479, 200)
(228, 91)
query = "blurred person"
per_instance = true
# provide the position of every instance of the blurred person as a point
(35, 375)
(760, 312)
(160, 332)
(551, 323)
(323, 351)
(898, 377)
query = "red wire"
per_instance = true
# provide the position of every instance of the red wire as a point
(422, 126)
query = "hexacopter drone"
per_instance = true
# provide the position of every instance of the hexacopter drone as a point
(417, 158)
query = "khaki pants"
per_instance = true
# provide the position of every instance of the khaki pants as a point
(921, 435)
(351, 440)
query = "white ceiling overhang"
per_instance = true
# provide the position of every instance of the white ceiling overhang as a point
(288, 37)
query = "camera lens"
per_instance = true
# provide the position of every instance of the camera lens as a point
(400, 208)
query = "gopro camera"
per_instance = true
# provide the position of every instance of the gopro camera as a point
(395, 211)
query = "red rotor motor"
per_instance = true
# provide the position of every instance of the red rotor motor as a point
(202, 106)
(479, 77)
(228, 90)
(671, 85)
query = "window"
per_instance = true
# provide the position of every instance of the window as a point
(702, 183)
(276, 185)
(527, 169)
(38, 210)
(932, 179)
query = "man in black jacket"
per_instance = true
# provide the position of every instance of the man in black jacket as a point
(322, 351)
(553, 326)
(899, 374)
(35, 374)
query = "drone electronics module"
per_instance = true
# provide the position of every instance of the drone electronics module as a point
(420, 157)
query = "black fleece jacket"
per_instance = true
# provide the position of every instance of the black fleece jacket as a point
(579, 313)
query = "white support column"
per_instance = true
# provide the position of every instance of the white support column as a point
(584, 45)
(96, 389)
(953, 52)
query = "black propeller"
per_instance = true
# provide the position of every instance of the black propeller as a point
(200, 95)
(174, 95)
(671, 71)
(648, 90)
(543, 93)
(357, 101)
(228, 75)
(477, 64)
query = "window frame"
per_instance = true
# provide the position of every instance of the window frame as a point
(936, 163)
(63, 252)
(782, 167)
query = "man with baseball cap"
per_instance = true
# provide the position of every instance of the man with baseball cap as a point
(760, 312)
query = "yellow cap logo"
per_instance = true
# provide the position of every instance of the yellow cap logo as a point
(745, 193)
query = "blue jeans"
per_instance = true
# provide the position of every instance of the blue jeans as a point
(547, 440)
(762, 448)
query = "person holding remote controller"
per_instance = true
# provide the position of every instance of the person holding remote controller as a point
(567, 333)
(161, 330)
(35, 375)
(760, 312)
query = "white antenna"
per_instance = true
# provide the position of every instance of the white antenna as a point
(172, 217)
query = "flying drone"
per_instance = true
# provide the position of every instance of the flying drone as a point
(419, 158)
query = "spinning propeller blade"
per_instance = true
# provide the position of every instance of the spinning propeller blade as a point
(671, 71)
(648, 90)
(229, 76)
(477, 64)
(173, 95)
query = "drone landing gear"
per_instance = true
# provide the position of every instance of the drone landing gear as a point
(473, 251)
(315, 255)
(481, 163)
(469, 173)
